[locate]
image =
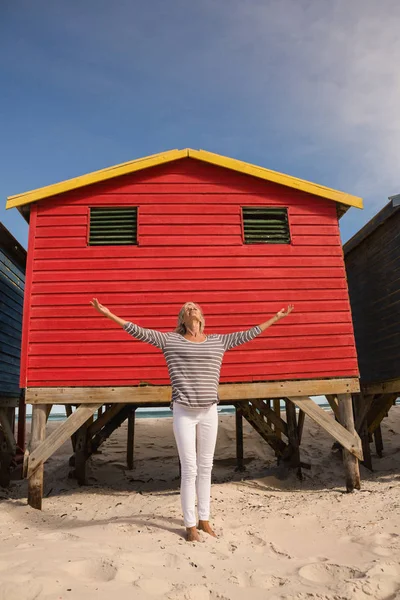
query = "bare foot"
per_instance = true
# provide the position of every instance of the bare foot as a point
(206, 527)
(192, 535)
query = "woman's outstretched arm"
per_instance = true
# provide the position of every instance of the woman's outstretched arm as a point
(106, 312)
(150, 336)
(284, 312)
(231, 340)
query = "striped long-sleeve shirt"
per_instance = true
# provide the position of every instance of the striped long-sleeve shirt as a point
(194, 367)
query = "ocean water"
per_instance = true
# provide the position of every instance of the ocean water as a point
(157, 413)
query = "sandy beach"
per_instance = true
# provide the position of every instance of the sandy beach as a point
(122, 536)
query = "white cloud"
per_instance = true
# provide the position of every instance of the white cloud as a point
(340, 64)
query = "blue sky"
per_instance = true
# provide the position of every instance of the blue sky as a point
(306, 87)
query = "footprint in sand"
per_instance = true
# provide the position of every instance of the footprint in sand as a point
(326, 573)
(255, 540)
(97, 569)
(385, 570)
(278, 551)
(260, 579)
(257, 578)
(156, 587)
(20, 591)
(381, 551)
(193, 592)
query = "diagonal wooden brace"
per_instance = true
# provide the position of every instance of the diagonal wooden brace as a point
(351, 442)
(59, 436)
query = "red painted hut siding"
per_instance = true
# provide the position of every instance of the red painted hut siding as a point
(190, 248)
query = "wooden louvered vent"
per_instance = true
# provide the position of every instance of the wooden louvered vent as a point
(265, 225)
(113, 226)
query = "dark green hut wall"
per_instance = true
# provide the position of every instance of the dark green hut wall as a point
(11, 304)
(373, 273)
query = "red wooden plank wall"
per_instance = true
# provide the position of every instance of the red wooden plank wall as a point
(190, 236)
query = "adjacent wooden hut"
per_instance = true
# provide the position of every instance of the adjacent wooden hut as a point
(12, 280)
(372, 259)
(148, 235)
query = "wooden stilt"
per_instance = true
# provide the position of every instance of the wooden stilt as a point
(277, 411)
(57, 437)
(21, 421)
(361, 405)
(239, 439)
(81, 453)
(351, 466)
(115, 422)
(131, 438)
(35, 484)
(378, 441)
(6, 423)
(293, 437)
(68, 412)
(6, 457)
(300, 424)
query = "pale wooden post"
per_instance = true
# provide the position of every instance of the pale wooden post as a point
(239, 438)
(131, 438)
(38, 434)
(351, 466)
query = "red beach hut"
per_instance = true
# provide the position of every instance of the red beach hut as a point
(150, 234)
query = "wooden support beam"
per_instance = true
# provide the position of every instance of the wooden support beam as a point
(60, 435)
(300, 424)
(294, 458)
(277, 411)
(81, 453)
(6, 401)
(21, 429)
(379, 410)
(333, 403)
(361, 404)
(68, 412)
(5, 461)
(350, 460)
(38, 434)
(383, 387)
(154, 394)
(378, 441)
(258, 422)
(272, 417)
(239, 439)
(108, 429)
(6, 425)
(350, 441)
(48, 411)
(104, 418)
(131, 437)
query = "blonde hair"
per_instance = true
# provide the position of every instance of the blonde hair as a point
(181, 327)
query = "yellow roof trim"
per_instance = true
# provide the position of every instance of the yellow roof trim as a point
(95, 177)
(276, 177)
(346, 200)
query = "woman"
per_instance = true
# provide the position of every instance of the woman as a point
(194, 364)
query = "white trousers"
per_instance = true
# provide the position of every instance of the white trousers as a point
(195, 431)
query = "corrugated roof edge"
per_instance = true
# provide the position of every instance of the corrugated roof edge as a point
(377, 221)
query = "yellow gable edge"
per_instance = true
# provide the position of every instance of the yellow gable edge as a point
(94, 177)
(276, 177)
(171, 155)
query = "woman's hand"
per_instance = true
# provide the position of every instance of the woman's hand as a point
(103, 310)
(284, 312)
